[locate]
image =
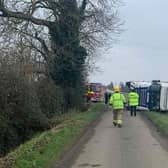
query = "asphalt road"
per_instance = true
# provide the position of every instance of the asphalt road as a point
(132, 146)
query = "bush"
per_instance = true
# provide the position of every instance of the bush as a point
(50, 97)
(74, 97)
(8, 136)
(27, 108)
(20, 112)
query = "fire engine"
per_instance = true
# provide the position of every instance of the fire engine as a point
(94, 92)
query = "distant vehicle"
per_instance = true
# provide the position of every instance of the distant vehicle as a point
(94, 92)
(153, 95)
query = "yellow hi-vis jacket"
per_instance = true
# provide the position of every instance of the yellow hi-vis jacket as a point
(117, 100)
(133, 99)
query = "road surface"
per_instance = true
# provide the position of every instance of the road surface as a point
(131, 146)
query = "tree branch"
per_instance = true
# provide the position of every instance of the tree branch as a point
(42, 42)
(83, 7)
(20, 15)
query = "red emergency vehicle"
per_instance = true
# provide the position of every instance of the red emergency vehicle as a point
(94, 91)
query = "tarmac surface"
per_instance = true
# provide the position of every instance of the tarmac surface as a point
(132, 146)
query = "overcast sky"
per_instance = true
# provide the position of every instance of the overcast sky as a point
(142, 53)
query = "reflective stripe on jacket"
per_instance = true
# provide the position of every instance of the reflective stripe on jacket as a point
(133, 98)
(117, 100)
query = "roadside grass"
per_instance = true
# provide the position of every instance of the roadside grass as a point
(50, 146)
(160, 120)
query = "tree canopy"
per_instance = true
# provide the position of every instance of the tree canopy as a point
(65, 33)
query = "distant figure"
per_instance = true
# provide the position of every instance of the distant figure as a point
(133, 100)
(117, 100)
(109, 95)
(106, 97)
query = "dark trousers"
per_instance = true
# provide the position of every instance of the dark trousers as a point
(133, 110)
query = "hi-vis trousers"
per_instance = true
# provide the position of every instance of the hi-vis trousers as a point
(117, 116)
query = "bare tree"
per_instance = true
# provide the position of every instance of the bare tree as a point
(64, 32)
(38, 21)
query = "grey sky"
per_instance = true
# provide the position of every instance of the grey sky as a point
(142, 53)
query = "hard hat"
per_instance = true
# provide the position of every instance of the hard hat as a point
(116, 89)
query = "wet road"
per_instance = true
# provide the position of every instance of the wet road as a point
(131, 146)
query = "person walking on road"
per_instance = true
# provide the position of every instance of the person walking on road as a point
(133, 100)
(106, 97)
(118, 101)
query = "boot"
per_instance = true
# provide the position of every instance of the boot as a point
(119, 125)
(114, 123)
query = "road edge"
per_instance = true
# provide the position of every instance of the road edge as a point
(75, 149)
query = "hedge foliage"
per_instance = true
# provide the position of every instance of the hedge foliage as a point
(26, 108)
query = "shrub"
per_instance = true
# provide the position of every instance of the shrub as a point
(74, 97)
(19, 111)
(8, 136)
(50, 97)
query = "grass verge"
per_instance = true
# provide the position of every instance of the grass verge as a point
(160, 120)
(49, 146)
